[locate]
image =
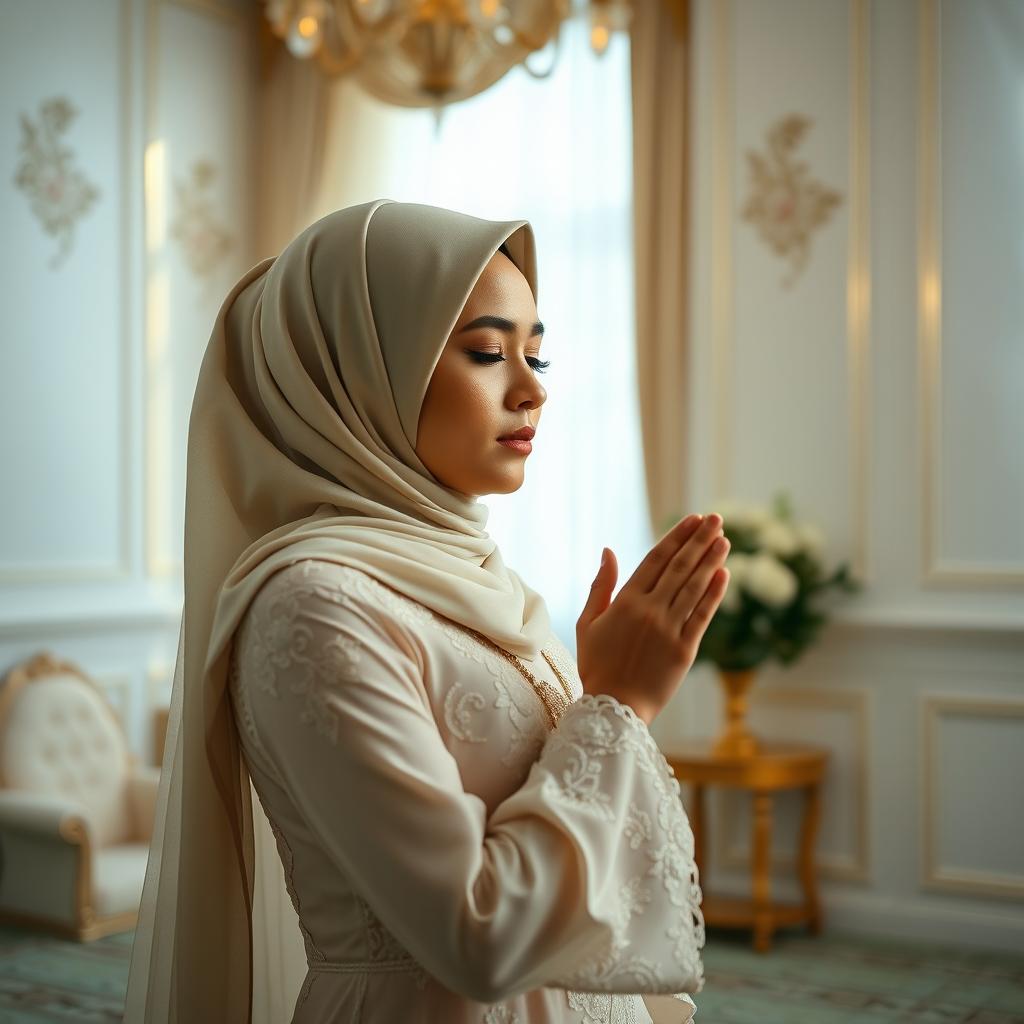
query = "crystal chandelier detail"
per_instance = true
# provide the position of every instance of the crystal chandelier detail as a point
(429, 53)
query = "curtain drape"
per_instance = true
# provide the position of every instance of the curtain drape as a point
(659, 72)
(290, 140)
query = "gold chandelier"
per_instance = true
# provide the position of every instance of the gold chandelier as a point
(420, 53)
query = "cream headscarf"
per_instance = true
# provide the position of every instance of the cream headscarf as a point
(301, 445)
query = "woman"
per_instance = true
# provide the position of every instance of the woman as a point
(468, 828)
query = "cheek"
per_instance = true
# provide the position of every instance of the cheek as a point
(469, 402)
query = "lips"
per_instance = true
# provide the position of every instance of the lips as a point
(522, 434)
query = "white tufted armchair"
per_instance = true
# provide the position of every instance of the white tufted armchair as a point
(76, 810)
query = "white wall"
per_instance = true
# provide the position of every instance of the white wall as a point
(107, 319)
(884, 387)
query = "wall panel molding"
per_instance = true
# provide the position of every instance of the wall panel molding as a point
(935, 874)
(858, 284)
(166, 347)
(936, 571)
(857, 271)
(121, 568)
(722, 226)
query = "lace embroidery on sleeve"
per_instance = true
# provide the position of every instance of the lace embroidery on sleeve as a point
(590, 733)
(604, 1008)
(240, 694)
(278, 639)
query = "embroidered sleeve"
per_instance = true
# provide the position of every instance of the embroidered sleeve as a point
(582, 879)
(603, 776)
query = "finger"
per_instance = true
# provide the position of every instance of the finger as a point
(682, 564)
(649, 570)
(696, 625)
(600, 590)
(691, 590)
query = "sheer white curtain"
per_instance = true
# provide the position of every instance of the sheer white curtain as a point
(556, 151)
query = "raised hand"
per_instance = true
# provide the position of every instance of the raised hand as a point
(639, 647)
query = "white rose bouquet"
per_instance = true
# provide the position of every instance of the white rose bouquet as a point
(775, 568)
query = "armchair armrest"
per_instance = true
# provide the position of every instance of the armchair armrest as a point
(43, 815)
(143, 783)
(45, 858)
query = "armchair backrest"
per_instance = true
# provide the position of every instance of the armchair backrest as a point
(59, 735)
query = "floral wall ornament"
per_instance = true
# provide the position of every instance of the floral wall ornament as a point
(786, 204)
(204, 242)
(58, 193)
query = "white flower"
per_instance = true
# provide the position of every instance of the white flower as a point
(743, 515)
(767, 579)
(779, 538)
(736, 563)
(811, 538)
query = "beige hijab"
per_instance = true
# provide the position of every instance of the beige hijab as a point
(300, 445)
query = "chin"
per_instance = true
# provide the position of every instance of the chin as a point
(509, 488)
(501, 485)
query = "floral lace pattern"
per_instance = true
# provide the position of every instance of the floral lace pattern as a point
(594, 728)
(383, 946)
(524, 708)
(240, 696)
(603, 1008)
(459, 705)
(279, 641)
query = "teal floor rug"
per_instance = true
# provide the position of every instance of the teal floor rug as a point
(834, 979)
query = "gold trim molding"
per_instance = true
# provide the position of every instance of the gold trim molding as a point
(858, 282)
(723, 326)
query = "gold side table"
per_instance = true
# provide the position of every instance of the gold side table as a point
(774, 767)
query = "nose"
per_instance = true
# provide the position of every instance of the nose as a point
(527, 392)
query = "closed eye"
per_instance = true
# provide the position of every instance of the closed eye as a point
(495, 357)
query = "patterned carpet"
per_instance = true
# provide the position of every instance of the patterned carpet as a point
(855, 980)
(831, 980)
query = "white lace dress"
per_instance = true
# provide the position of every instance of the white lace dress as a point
(451, 858)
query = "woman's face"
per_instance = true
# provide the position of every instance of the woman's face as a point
(485, 387)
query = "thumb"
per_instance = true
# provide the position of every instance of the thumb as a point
(600, 590)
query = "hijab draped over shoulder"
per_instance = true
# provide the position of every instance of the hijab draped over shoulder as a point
(301, 444)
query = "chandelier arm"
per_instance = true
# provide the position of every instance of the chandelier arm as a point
(383, 26)
(348, 28)
(541, 75)
(529, 43)
(336, 66)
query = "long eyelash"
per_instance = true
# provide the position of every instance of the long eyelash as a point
(493, 357)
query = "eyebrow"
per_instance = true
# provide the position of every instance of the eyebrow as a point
(502, 324)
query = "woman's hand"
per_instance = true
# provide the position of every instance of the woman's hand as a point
(639, 647)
